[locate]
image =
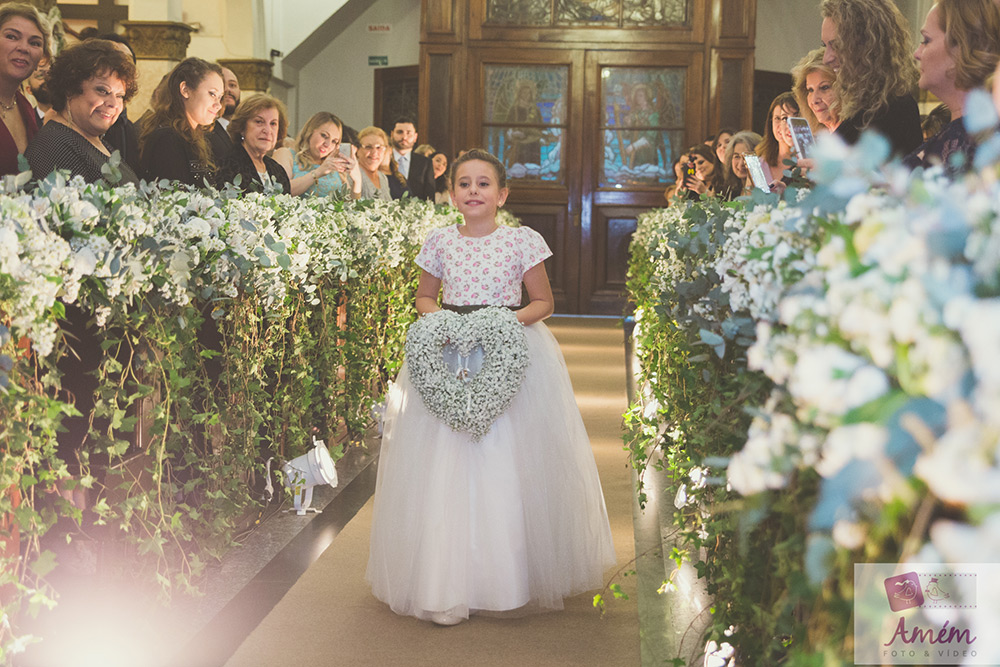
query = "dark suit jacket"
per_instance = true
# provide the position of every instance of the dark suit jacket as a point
(420, 182)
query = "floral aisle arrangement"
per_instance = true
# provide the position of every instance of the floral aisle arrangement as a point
(819, 375)
(227, 329)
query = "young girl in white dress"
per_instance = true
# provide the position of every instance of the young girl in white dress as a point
(515, 520)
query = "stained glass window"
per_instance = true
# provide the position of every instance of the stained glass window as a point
(524, 119)
(587, 13)
(642, 124)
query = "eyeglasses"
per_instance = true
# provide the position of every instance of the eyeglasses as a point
(374, 149)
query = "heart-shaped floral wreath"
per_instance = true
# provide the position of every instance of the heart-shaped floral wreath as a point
(467, 402)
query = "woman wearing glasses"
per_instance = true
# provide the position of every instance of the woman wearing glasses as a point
(317, 168)
(374, 184)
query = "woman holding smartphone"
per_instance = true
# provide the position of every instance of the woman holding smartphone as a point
(702, 172)
(321, 165)
(776, 147)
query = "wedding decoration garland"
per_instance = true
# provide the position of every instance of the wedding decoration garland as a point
(860, 318)
(460, 397)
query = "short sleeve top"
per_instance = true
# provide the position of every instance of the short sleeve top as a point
(486, 270)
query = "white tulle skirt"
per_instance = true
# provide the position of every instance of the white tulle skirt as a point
(516, 520)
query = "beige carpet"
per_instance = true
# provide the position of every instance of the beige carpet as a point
(330, 617)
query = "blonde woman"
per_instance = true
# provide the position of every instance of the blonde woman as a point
(813, 85)
(959, 48)
(316, 167)
(373, 145)
(867, 44)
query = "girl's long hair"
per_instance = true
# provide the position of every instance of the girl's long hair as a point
(876, 56)
(168, 108)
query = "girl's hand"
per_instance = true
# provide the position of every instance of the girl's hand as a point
(328, 165)
(778, 187)
(342, 164)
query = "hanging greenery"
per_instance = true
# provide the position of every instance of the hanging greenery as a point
(219, 329)
(818, 377)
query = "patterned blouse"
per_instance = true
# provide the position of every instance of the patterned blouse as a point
(486, 270)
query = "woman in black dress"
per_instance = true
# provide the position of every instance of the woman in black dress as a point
(89, 84)
(172, 138)
(255, 129)
(867, 43)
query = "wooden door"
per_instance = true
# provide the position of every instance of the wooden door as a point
(588, 138)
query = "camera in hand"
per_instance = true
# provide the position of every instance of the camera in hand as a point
(690, 177)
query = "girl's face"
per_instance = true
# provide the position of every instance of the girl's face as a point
(21, 48)
(704, 168)
(324, 140)
(98, 105)
(779, 126)
(934, 59)
(261, 133)
(477, 191)
(371, 153)
(721, 144)
(828, 35)
(820, 95)
(440, 163)
(739, 167)
(203, 103)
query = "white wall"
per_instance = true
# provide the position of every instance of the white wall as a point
(339, 78)
(789, 29)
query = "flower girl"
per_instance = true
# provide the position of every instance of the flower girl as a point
(487, 497)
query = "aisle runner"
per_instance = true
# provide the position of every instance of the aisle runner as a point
(330, 617)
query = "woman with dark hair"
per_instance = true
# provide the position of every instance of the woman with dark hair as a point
(959, 49)
(172, 140)
(315, 166)
(721, 142)
(88, 84)
(707, 178)
(776, 145)
(255, 128)
(24, 41)
(123, 136)
(442, 184)
(867, 43)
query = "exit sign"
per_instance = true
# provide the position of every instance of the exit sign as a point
(378, 61)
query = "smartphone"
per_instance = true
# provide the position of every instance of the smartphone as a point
(802, 136)
(752, 161)
(345, 150)
(690, 175)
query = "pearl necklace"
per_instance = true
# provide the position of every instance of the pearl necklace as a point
(4, 108)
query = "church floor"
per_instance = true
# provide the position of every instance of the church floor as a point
(295, 593)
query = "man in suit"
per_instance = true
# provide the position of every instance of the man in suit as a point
(417, 169)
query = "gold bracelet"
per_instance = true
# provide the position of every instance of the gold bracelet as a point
(315, 177)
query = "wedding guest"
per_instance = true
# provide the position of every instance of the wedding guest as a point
(172, 139)
(671, 192)
(254, 130)
(316, 166)
(416, 168)
(123, 137)
(867, 44)
(721, 141)
(374, 143)
(24, 41)
(442, 184)
(959, 49)
(88, 84)
(36, 86)
(776, 146)
(708, 172)
(813, 83)
(736, 177)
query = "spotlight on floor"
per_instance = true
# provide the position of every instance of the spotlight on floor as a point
(311, 469)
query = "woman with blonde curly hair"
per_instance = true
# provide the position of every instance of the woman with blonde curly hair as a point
(813, 83)
(959, 48)
(867, 43)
